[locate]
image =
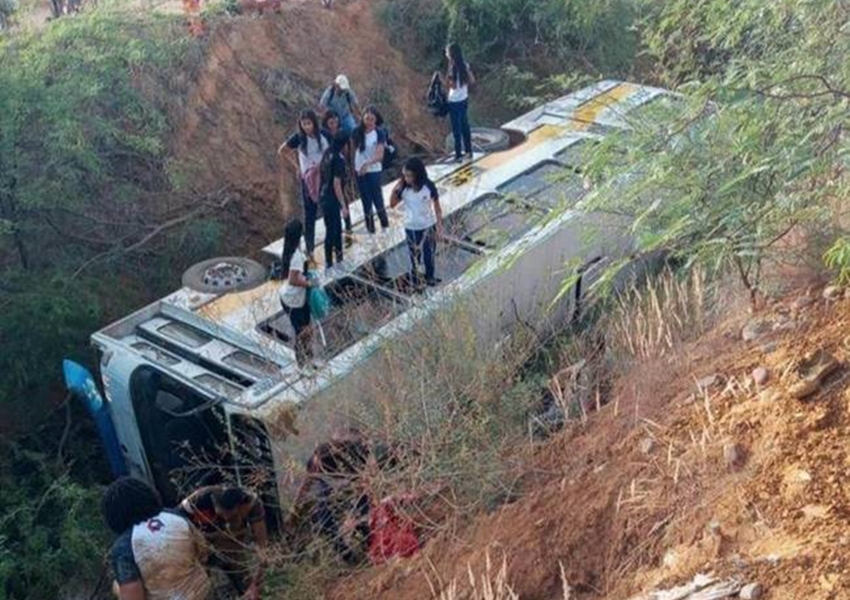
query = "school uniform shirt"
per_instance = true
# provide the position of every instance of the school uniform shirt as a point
(294, 296)
(373, 138)
(163, 553)
(313, 156)
(418, 206)
(459, 92)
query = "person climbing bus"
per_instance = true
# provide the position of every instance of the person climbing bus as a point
(293, 293)
(341, 99)
(423, 218)
(333, 173)
(369, 141)
(458, 81)
(310, 145)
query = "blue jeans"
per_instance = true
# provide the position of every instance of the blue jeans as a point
(347, 123)
(421, 244)
(373, 198)
(458, 114)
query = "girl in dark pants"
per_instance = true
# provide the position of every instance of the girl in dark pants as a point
(423, 217)
(310, 144)
(369, 141)
(293, 293)
(330, 128)
(458, 81)
(333, 198)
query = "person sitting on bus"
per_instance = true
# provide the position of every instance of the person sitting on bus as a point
(310, 145)
(341, 99)
(231, 518)
(423, 218)
(158, 554)
(293, 293)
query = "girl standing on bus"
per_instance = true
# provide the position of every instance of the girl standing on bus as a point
(423, 217)
(293, 293)
(333, 198)
(369, 141)
(310, 145)
(330, 128)
(458, 81)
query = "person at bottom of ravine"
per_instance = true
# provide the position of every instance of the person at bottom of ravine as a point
(340, 98)
(423, 217)
(293, 293)
(333, 198)
(158, 554)
(458, 80)
(232, 520)
(369, 141)
(310, 145)
(330, 128)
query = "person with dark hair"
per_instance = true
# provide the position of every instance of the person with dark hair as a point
(458, 80)
(330, 128)
(330, 494)
(340, 98)
(423, 217)
(232, 520)
(310, 144)
(293, 293)
(158, 554)
(333, 198)
(369, 145)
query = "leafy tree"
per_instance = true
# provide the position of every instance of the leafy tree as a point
(755, 150)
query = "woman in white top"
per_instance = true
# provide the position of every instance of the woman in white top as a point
(423, 218)
(293, 293)
(369, 141)
(458, 81)
(310, 144)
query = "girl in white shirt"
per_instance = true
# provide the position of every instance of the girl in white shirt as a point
(423, 218)
(369, 142)
(310, 144)
(458, 81)
(293, 293)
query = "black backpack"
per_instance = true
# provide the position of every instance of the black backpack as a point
(437, 101)
(326, 174)
(390, 152)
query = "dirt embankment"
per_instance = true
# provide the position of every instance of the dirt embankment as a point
(258, 73)
(693, 467)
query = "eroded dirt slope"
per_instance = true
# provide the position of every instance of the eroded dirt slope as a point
(258, 73)
(672, 478)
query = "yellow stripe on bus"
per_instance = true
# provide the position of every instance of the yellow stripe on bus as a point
(589, 111)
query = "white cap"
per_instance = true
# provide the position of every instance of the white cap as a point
(342, 81)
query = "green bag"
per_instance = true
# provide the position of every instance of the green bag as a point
(318, 299)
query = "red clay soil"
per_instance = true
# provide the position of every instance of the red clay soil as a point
(258, 73)
(624, 515)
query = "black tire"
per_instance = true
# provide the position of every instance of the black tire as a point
(484, 139)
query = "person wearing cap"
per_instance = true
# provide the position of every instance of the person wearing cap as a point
(341, 99)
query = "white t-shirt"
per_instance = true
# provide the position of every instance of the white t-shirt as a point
(167, 551)
(459, 92)
(373, 138)
(312, 158)
(294, 296)
(418, 207)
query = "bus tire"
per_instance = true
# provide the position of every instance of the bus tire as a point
(484, 139)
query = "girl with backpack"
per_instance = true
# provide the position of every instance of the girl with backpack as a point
(458, 80)
(310, 146)
(369, 142)
(333, 170)
(423, 217)
(293, 293)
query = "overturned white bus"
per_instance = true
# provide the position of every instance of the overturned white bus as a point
(214, 374)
